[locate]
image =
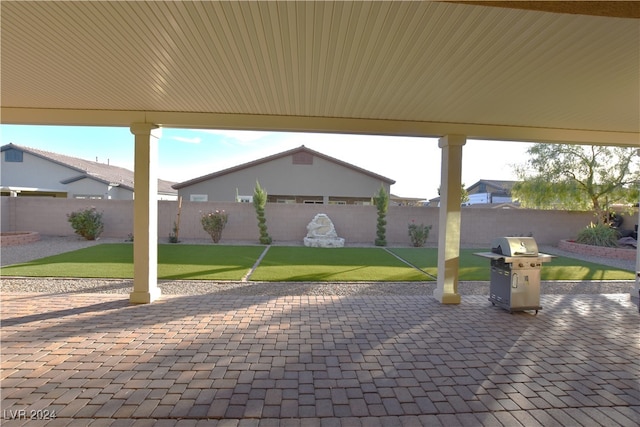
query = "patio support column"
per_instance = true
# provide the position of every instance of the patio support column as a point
(145, 214)
(449, 219)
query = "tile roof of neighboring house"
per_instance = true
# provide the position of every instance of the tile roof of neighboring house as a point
(300, 149)
(494, 183)
(102, 172)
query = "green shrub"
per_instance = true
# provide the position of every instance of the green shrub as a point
(598, 235)
(419, 234)
(213, 223)
(259, 202)
(87, 223)
(382, 204)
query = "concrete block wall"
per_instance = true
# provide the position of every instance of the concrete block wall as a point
(287, 223)
(48, 216)
(242, 224)
(6, 216)
(547, 227)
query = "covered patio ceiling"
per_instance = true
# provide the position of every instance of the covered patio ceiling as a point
(407, 68)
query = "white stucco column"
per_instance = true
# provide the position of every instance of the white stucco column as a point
(145, 214)
(449, 219)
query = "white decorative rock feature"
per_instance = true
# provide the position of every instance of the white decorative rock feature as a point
(322, 234)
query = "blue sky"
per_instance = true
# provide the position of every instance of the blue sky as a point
(414, 163)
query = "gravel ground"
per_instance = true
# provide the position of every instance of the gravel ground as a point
(51, 245)
(47, 246)
(200, 287)
(618, 263)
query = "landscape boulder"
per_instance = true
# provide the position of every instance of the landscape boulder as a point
(322, 234)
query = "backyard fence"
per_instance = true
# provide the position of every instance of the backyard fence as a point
(288, 222)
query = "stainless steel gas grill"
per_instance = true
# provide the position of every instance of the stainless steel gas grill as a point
(515, 273)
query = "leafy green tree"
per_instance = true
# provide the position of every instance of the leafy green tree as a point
(578, 177)
(259, 202)
(382, 204)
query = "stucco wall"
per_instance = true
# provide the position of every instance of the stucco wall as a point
(23, 174)
(89, 187)
(287, 223)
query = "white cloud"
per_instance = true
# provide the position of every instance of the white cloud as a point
(195, 140)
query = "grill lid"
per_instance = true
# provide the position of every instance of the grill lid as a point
(515, 246)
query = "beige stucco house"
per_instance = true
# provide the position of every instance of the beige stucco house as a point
(32, 172)
(300, 175)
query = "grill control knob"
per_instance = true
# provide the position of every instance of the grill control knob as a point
(521, 265)
(533, 264)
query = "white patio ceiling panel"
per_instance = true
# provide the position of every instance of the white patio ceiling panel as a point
(424, 62)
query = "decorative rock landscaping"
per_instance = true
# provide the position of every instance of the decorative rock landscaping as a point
(322, 234)
(599, 251)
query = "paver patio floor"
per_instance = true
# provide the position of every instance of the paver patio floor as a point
(94, 359)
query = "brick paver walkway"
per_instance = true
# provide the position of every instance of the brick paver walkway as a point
(95, 360)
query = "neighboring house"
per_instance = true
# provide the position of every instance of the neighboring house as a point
(407, 201)
(300, 175)
(495, 193)
(31, 172)
(491, 192)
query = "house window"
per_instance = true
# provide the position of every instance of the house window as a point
(244, 199)
(199, 197)
(287, 201)
(13, 155)
(337, 202)
(87, 196)
(312, 202)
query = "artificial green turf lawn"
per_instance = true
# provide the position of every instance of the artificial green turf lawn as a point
(302, 264)
(197, 262)
(212, 262)
(473, 267)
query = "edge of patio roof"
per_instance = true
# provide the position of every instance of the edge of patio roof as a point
(275, 123)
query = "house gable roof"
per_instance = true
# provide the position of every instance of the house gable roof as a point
(301, 149)
(499, 185)
(87, 169)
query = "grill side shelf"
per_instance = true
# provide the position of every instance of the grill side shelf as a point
(511, 259)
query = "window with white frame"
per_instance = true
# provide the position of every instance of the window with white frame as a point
(199, 197)
(244, 199)
(13, 155)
